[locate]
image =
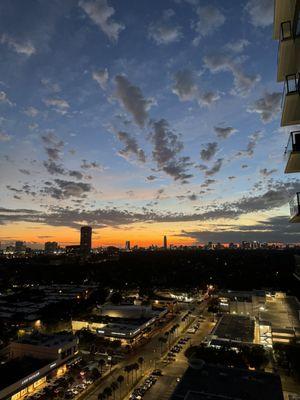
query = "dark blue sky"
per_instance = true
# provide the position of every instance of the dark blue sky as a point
(140, 111)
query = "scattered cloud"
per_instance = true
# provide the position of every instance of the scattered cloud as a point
(54, 168)
(261, 12)
(4, 98)
(167, 147)
(209, 151)
(100, 13)
(131, 147)
(268, 106)
(76, 174)
(193, 197)
(90, 165)
(24, 171)
(186, 88)
(274, 229)
(237, 46)
(215, 168)
(243, 83)
(21, 47)
(275, 197)
(62, 189)
(53, 146)
(51, 86)
(224, 132)
(151, 178)
(209, 20)
(207, 183)
(31, 111)
(132, 99)
(267, 172)
(163, 31)
(59, 105)
(101, 76)
(253, 139)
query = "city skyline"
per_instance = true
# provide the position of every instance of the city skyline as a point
(166, 137)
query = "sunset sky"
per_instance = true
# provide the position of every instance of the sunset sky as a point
(141, 118)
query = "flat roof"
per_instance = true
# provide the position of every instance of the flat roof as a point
(282, 313)
(235, 327)
(55, 340)
(214, 382)
(16, 369)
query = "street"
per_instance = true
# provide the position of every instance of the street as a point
(152, 359)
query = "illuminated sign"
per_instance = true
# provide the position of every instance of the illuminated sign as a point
(53, 365)
(30, 378)
(118, 333)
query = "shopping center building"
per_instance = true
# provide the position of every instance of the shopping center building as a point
(125, 323)
(34, 359)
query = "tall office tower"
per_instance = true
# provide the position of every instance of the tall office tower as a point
(20, 246)
(127, 245)
(51, 247)
(86, 239)
(287, 31)
(165, 242)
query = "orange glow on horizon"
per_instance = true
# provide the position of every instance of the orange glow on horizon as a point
(143, 236)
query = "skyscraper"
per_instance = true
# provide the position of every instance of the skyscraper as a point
(51, 247)
(86, 239)
(165, 242)
(127, 245)
(20, 246)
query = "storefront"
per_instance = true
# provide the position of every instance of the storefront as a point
(33, 382)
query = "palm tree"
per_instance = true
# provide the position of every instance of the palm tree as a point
(131, 369)
(114, 386)
(101, 396)
(135, 368)
(101, 364)
(167, 335)
(120, 381)
(127, 369)
(141, 362)
(162, 340)
(108, 392)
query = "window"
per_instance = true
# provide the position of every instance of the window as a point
(286, 30)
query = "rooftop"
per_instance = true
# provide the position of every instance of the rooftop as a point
(17, 369)
(282, 313)
(55, 340)
(235, 327)
(214, 383)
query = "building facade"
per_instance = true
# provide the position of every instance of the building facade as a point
(32, 360)
(287, 32)
(86, 239)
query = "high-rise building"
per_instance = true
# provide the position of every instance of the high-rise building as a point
(287, 32)
(51, 247)
(165, 242)
(127, 245)
(86, 239)
(20, 247)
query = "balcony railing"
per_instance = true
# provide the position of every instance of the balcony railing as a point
(291, 86)
(292, 153)
(295, 208)
(293, 143)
